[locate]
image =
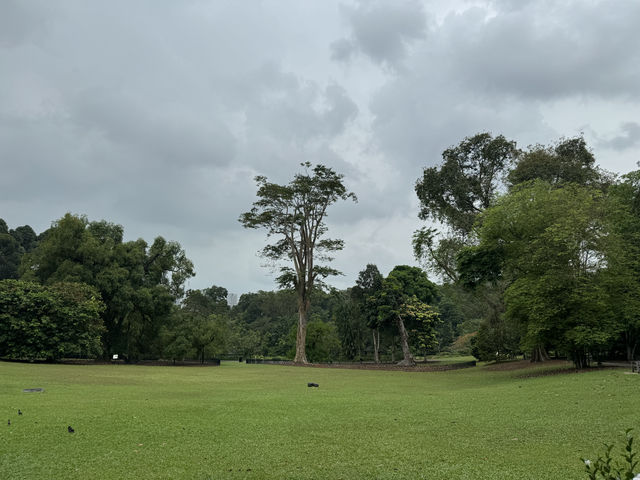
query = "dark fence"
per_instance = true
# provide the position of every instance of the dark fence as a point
(211, 362)
(269, 361)
(234, 357)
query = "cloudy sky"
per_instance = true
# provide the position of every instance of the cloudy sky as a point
(158, 114)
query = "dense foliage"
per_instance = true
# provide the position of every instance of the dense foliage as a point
(552, 254)
(49, 322)
(13, 244)
(138, 283)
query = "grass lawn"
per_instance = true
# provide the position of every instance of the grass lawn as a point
(261, 421)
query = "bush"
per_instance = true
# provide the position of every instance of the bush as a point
(602, 468)
(49, 322)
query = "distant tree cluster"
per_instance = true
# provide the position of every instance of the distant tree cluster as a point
(393, 318)
(14, 244)
(294, 216)
(134, 288)
(540, 248)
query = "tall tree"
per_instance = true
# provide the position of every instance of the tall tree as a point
(404, 297)
(622, 279)
(369, 282)
(295, 214)
(454, 193)
(466, 182)
(554, 244)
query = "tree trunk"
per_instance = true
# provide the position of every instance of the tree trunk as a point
(376, 345)
(404, 341)
(631, 347)
(301, 337)
(128, 344)
(539, 354)
(580, 359)
(393, 349)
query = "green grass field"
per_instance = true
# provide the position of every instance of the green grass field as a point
(261, 421)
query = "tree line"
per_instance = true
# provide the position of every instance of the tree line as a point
(543, 239)
(535, 252)
(79, 290)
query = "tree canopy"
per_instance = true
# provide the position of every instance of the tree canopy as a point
(553, 258)
(568, 161)
(404, 297)
(454, 193)
(138, 283)
(466, 181)
(14, 243)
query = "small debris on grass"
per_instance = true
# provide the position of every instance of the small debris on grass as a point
(70, 429)
(311, 384)
(33, 390)
(19, 412)
(9, 422)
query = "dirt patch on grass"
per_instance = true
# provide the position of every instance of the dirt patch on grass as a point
(522, 364)
(420, 367)
(550, 367)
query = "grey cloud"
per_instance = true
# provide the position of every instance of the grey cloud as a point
(419, 116)
(281, 105)
(342, 50)
(21, 22)
(340, 109)
(629, 138)
(42, 158)
(545, 49)
(158, 133)
(381, 30)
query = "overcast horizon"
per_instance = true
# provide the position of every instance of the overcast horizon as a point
(158, 115)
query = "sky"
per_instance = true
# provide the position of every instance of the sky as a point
(158, 114)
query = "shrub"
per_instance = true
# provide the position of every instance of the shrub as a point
(603, 468)
(49, 322)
